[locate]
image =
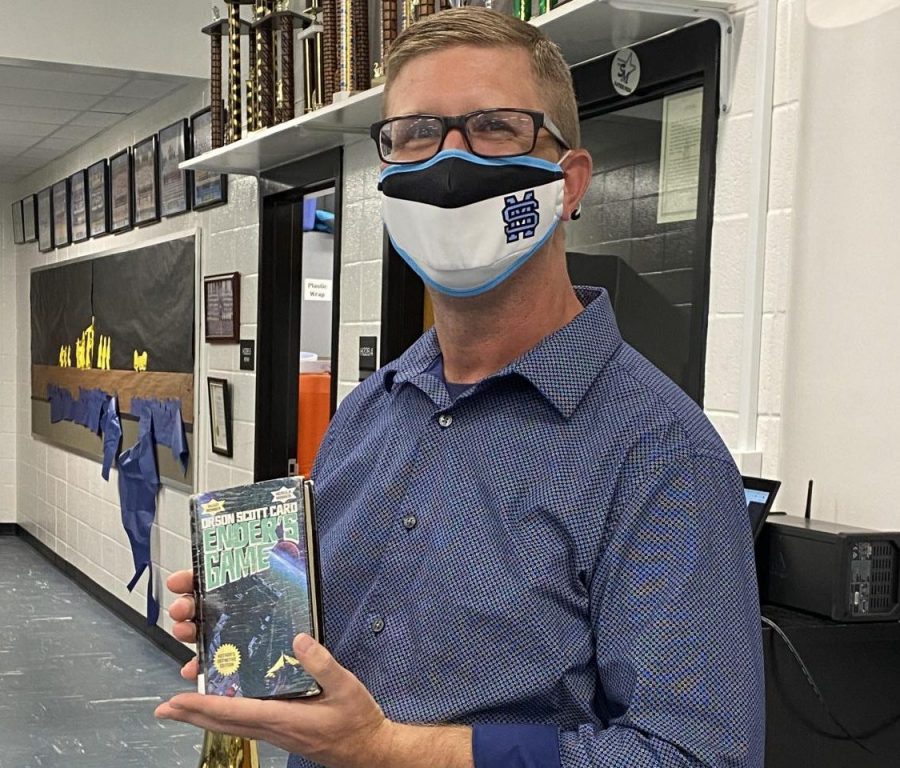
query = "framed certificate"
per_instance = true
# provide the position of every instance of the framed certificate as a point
(146, 188)
(208, 188)
(62, 233)
(222, 306)
(220, 416)
(120, 191)
(98, 198)
(18, 223)
(78, 206)
(45, 220)
(173, 182)
(29, 218)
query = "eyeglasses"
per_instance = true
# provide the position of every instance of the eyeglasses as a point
(488, 133)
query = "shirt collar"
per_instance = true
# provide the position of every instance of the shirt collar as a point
(562, 366)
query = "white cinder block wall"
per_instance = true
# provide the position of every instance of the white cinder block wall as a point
(59, 497)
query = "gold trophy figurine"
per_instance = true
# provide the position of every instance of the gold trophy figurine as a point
(222, 751)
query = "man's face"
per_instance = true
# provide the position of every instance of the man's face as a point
(466, 78)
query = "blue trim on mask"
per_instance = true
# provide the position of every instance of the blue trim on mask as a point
(444, 154)
(481, 288)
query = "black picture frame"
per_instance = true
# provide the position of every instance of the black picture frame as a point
(45, 220)
(29, 218)
(62, 227)
(78, 206)
(222, 307)
(174, 184)
(98, 198)
(220, 429)
(207, 189)
(120, 192)
(18, 223)
(146, 181)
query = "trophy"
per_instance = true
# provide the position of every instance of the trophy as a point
(236, 28)
(222, 751)
(284, 22)
(261, 105)
(313, 64)
(352, 50)
(217, 106)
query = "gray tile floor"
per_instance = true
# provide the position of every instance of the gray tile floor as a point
(77, 685)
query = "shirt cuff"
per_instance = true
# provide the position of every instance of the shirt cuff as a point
(515, 746)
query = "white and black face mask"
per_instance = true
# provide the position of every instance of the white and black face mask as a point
(465, 223)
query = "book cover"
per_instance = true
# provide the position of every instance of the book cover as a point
(256, 586)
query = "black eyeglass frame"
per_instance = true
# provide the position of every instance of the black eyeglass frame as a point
(449, 122)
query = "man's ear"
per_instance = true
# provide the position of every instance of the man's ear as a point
(579, 172)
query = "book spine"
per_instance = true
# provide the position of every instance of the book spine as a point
(199, 584)
(312, 558)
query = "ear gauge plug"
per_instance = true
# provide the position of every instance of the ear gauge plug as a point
(576, 214)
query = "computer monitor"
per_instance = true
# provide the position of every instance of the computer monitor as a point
(760, 493)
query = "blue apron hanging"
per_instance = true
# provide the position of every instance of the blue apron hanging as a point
(138, 487)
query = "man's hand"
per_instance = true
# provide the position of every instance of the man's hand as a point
(343, 727)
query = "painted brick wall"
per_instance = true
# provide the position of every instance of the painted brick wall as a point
(62, 499)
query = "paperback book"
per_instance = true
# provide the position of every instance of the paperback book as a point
(256, 587)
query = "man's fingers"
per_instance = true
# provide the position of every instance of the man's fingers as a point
(237, 716)
(316, 660)
(181, 582)
(182, 609)
(186, 631)
(190, 670)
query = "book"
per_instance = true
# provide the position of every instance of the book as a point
(256, 586)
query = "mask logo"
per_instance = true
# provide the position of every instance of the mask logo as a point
(521, 216)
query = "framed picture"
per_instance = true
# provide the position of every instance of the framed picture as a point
(78, 206)
(208, 188)
(45, 220)
(146, 188)
(222, 306)
(62, 233)
(18, 223)
(120, 191)
(29, 219)
(219, 416)
(98, 198)
(174, 189)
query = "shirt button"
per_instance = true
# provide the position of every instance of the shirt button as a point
(409, 522)
(377, 625)
(445, 420)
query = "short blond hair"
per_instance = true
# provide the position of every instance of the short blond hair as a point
(490, 29)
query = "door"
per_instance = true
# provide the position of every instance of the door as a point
(299, 300)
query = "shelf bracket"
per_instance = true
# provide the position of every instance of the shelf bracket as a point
(696, 10)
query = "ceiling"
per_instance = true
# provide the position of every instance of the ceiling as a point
(49, 109)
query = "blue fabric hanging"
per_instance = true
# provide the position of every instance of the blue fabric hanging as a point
(111, 428)
(138, 488)
(168, 426)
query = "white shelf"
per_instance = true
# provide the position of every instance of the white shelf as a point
(583, 29)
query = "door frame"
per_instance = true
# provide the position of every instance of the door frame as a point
(279, 302)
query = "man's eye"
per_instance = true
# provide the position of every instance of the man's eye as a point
(419, 131)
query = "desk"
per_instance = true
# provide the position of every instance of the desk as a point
(857, 669)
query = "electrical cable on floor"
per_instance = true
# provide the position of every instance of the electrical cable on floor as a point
(809, 678)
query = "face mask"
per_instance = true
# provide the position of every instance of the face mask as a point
(465, 223)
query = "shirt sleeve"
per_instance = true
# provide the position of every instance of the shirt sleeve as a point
(675, 610)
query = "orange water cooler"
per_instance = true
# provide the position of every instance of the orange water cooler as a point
(313, 410)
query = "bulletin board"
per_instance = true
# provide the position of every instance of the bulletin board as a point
(122, 324)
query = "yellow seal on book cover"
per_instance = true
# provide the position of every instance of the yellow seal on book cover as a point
(227, 659)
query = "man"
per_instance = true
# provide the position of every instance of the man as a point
(535, 548)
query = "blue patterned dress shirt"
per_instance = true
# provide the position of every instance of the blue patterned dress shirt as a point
(561, 557)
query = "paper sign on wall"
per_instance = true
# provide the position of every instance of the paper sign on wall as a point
(316, 289)
(679, 156)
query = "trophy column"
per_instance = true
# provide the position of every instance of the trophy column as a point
(215, 31)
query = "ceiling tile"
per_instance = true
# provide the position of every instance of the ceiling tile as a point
(24, 97)
(57, 144)
(26, 128)
(147, 89)
(80, 132)
(96, 119)
(122, 104)
(37, 114)
(10, 142)
(56, 78)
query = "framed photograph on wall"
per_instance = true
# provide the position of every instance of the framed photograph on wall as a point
(146, 188)
(174, 189)
(78, 206)
(222, 306)
(62, 233)
(29, 218)
(208, 188)
(18, 223)
(120, 191)
(45, 220)
(98, 198)
(219, 416)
